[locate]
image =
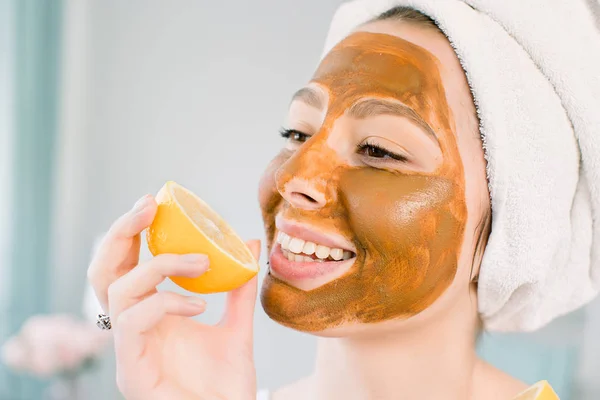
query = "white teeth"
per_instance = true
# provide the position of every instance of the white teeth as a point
(336, 254)
(291, 256)
(296, 245)
(322, 252)
(309, 248)
(296, 249)
(285, 242)
(297, 257)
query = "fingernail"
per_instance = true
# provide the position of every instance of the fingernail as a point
(141, 203)
(194, 258)
(197, 302)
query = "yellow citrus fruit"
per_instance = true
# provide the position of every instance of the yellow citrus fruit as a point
(186, 224)
(540, 391)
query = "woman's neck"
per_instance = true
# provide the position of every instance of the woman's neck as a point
(430, 360)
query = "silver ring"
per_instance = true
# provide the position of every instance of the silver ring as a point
(103, 322)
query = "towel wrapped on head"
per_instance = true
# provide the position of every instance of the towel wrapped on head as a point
(534, 71)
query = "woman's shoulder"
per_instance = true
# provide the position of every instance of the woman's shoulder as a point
(490, 383)
(493, 384)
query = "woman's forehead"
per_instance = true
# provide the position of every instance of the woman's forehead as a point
(367, 64)
(367, 61)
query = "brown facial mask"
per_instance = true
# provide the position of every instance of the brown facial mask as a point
(407, 226)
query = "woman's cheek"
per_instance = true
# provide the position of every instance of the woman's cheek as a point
(411, 239)
(268, 196)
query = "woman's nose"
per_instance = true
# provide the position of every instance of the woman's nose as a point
(301, 193)
(305, 179)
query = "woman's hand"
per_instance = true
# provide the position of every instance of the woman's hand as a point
(161, 352)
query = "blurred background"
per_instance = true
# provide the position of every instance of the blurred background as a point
(102, 101)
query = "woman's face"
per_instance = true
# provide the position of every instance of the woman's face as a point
(368, 213)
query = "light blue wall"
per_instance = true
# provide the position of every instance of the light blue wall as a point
(550, 354)
(34, 55)
(6, 121)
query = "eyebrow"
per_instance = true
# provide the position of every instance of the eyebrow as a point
(374, 107)
(310, 96)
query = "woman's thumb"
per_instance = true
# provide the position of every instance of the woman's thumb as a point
(239, 312)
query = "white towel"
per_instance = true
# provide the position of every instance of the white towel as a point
(534, 70)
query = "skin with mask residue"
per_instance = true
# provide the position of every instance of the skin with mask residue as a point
(406, 223)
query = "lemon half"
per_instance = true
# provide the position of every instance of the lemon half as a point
(540, 391)
(184, 223)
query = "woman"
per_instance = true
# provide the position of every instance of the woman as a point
(377, 213)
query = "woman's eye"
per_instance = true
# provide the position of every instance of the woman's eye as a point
(374, 151)
(294, 135)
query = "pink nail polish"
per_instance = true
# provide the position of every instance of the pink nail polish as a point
(197, 303)
(141, 203)
(194, 258)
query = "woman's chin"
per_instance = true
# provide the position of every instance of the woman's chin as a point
(306, 275)
(354, 329)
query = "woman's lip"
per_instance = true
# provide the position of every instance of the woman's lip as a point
(292, 270)
(306, 233)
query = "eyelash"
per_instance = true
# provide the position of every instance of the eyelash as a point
(363, 148)
(366, 147)
(292, 133)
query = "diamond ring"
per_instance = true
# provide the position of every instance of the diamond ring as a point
(103, 322)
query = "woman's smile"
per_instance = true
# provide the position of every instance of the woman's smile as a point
(306, 257)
